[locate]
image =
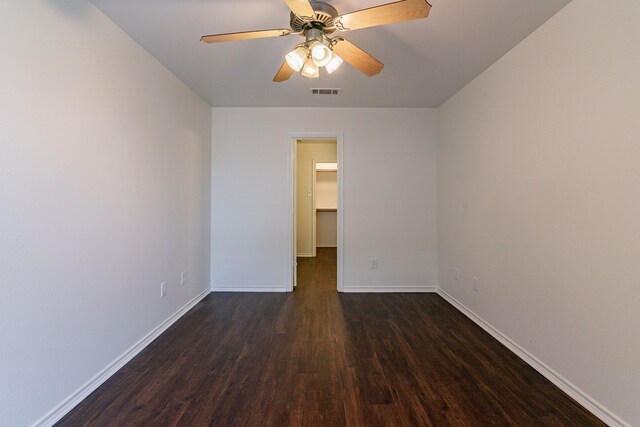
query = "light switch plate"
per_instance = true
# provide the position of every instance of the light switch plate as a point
(163, 289)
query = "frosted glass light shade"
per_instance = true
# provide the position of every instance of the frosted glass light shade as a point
(334, 63)
(310, 69)
(321, 54)
(296, 58)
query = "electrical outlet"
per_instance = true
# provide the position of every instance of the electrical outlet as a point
(163, 289)
(183, 278)
(476, 284)
(457, 274)
(374, 262)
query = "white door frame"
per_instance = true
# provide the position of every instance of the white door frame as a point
(314, 214)
(292, 186)
(291, 190)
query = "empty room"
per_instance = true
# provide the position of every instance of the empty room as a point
(319, 213)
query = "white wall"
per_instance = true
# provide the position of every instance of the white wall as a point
(539, 187)
(104, 193)
(391, 216)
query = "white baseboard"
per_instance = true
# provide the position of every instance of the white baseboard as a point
(249, 289)
(87, 388)
(389, 289)
(570, 389)
(304, 255)
(562, 383)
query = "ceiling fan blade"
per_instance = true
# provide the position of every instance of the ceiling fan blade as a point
(283, 73)
(302, 8)
(404, 10)
(245, 35)
(357, 57)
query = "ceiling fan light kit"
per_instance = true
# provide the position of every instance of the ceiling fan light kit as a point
(315, 21)
(306, 58)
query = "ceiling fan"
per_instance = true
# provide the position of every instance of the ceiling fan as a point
(316, 21)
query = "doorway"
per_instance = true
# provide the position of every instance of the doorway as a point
(316, 200)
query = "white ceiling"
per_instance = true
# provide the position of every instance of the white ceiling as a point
(426, 61)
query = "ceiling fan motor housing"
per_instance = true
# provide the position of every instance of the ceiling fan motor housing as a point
(323, 19)
(314, 34)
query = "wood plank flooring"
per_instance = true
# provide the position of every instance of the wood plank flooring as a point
(318, 358)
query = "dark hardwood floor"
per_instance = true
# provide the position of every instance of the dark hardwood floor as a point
(318, 358)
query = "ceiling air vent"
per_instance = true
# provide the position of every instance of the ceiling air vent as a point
(325, 91)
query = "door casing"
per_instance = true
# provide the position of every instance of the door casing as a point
(291, 263)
